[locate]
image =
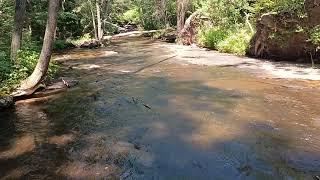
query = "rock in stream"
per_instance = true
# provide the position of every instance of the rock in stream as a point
(6, 102)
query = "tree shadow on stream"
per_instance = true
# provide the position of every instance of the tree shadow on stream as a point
(146, 125)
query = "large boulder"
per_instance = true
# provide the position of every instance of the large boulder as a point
(280, 35)
(313, 10)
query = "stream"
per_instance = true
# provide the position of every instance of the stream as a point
(141, 111)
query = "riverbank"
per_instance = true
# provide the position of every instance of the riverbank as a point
(260, 67)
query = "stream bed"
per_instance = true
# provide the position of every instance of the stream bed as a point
(141, 112)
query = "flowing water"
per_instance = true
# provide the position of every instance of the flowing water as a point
(139, 112)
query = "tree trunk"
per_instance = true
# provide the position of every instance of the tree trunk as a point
(161, 10)
(181, 13)
(93, 21)
(104, 7)
(20, 11)
(100, 30)
(29, 85)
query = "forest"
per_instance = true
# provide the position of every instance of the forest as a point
(160, 89)
(287, 29)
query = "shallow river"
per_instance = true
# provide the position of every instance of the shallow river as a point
(139, 112)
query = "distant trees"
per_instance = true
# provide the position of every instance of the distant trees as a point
(161, 10)
(98, 17)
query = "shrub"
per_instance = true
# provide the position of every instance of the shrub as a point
(211, 37)
(315, 35)
(132, 16)
(5, 66)
(236, 43)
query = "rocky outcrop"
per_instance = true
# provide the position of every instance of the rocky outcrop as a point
(313, 11)
(280, 35)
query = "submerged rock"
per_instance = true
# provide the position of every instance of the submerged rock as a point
(69, 82)
(6, 102)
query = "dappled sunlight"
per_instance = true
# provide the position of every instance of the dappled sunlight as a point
(83, 170)
(244, 86)
(21, 146)
(207, 134)
(159, 129)
(139, 113)
(81, 54)
(18, 173)
(61, 140)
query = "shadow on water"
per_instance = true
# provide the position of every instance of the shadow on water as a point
(136, 116)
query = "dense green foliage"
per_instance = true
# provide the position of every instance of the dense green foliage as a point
(12, 73)
(315, 35)
(231, 29)
(237, 42)
(229, 33)
(211, 37)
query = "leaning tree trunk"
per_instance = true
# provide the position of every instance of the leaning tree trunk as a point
(181, 13)
(20, 11)
(29, 85)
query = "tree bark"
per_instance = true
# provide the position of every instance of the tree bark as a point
(20, 11)
(161, 10)
(104, 7)
(99, 22)
(93, 20)
(181, 14)
(29, 85)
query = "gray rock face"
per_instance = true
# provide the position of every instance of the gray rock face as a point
(69, 82)
(277, 36)
(6, 102)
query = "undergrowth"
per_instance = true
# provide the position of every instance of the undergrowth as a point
(233, 40)
(11, 74)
